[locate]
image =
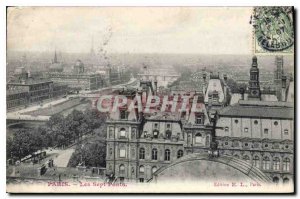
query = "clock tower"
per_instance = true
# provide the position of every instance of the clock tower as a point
(254, 88)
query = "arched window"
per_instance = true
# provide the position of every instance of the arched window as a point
(286, 180)
(276, 163)
(122, 133)
(154, 154)
(266, 131)
(286, 164)
(167, 154)
(266, 163)
(246, 158)
(198, 138)
(168, 134)
(154, 169)
(142, 169)
(142, 153)
(237, 156)
(256, 161)
(275, 179)
(155, 134)
(179, 154)
(122, 169)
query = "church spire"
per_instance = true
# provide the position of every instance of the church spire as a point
(55, 57)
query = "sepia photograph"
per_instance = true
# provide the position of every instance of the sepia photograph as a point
(150, 99)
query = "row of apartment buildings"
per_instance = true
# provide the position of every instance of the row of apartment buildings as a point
(25, 88)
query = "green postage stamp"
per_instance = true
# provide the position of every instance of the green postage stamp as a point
(273, 30)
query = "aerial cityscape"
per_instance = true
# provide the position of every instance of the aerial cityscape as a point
(168, 116)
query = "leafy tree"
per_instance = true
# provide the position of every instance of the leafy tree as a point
(91, 155)
(59, 131)
(22, 144)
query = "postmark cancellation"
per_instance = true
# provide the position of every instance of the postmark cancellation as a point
(273, 30)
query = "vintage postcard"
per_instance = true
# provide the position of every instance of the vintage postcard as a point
(150, 100)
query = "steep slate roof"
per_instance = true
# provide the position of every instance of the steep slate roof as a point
(259, 109)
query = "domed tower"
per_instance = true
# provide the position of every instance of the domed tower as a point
(254, 88)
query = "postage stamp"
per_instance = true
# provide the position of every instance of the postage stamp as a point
(273, 30)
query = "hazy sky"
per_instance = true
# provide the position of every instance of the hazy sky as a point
(137, 29)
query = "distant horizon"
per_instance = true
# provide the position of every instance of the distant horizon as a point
(136, 53)
(164, 53)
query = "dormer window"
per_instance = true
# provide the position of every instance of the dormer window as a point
(123, 115)
(215, 97)
(209, 96)
(199, 118)
(168, 134)
(145, 134)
